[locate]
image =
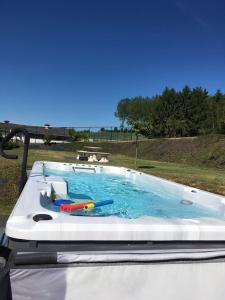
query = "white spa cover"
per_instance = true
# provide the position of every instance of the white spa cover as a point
(101, 276)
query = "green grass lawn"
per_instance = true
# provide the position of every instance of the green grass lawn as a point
(207, 178)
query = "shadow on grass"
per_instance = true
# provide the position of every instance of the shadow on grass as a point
(146, 167)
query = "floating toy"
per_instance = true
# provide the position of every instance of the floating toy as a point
(72, 207)
(59, 202)
(89, 206)
(97, 204)
(104, 202)
(69, 205)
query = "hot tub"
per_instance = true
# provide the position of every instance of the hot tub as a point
(146, 208)
(164, 238)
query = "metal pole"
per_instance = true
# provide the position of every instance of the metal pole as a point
(23, 177)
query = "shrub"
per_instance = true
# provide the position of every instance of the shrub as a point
(78, 135)
(48, 139)
(12, 145)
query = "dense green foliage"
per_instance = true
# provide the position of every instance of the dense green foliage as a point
(48, 138)
(78, 135)
(12, 145)
(174, 113)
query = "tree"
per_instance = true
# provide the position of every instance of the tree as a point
(188, 112)
(217, 105)
(138, 128)
(197, 112)
(122, 111)
(77, 136)
(48, 139)
(72, 133)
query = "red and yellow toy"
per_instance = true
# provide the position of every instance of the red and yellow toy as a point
(72, 207)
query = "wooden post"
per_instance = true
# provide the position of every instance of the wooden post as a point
(136, 150)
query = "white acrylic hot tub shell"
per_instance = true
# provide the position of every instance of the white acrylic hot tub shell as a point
(64, 227)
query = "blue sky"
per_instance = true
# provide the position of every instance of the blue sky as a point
(68, 63)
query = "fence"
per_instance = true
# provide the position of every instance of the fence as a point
(67, 134)
(105, 133)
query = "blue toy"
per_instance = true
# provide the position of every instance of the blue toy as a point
(59, 202)
(104, 202)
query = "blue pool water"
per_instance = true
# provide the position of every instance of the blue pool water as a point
(131, 200)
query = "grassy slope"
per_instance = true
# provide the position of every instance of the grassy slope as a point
(204, 150)
(9, 174)
(198, 173)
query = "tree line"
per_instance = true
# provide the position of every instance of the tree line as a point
(188, 112)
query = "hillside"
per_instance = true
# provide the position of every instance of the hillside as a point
(208, 150)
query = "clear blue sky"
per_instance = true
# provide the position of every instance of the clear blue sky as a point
(68, 63)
